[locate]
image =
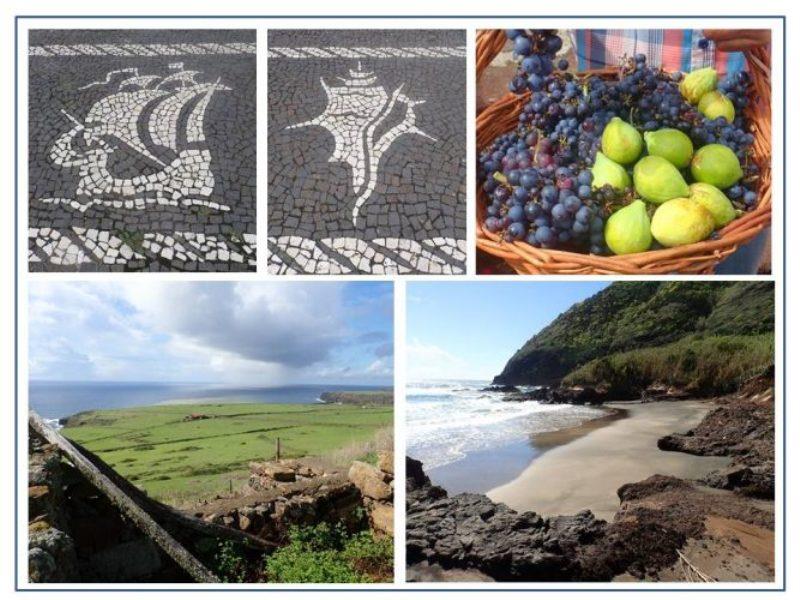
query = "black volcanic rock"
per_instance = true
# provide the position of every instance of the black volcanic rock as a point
(742, 426)
(563, 395)
(469, 531)
(501, 388)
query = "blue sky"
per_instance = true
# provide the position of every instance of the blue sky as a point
(468, 330)
(246, 333)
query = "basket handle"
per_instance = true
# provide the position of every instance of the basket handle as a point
(488, 44)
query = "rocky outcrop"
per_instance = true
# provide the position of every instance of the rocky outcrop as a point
(661, 392)
(469, 531)
(589, 394)
(657, 519)
(660, 514)
(376, 484)
(742, 427)
(507, 389)
(562, 395)
(758, 482)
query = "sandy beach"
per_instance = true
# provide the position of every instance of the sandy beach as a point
(586, 471)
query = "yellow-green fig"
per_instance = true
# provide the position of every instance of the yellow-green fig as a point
(657, 180)
(621, 142)
(714, 202)
(716, 164)
(628, 230)
(698, 83)
(606, 172)
(681, 221)
(716, 104)
(672, 144)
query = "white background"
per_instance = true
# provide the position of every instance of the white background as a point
(528, 13)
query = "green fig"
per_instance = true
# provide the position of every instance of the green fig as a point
(716, 104)
(621, 142)
(628, 230)
(606, 172)
(681, 221)
(698, 83)
(716, 164)
(657, 180)
(672, 144)
(714, 202)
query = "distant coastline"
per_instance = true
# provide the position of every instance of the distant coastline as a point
(55, 400)
(375, 396)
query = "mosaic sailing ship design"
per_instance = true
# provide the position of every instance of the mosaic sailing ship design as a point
(353, 113)
(158, 119)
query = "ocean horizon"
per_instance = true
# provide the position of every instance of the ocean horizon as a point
(60, 399)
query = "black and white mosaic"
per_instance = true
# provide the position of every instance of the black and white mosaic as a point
(142, 150)
(367, 152)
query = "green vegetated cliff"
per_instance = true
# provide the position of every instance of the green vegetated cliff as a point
(635, 333)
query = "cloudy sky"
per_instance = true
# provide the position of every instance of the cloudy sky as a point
(468, 330)
(259, 333)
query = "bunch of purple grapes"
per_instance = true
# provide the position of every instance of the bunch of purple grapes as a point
(538, 177)
(547, 205)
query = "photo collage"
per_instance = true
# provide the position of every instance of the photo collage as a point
(425, 305)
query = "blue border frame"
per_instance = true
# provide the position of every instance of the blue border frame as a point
(375, 588)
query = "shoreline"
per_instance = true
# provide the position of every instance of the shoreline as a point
(502, 464)
(549, 440)
(583, 469)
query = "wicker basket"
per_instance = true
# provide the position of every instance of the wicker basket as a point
(501, 117)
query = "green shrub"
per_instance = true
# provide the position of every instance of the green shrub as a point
(710, 365)
(229, 564)
(329, 554)
(371, 556)
(294, 564)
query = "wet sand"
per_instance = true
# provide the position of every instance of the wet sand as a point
(586, 471)
(483, 470)
(480, 471)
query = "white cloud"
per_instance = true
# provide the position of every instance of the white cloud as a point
(381, 367)
(258, 333)
(292, 324)
(426, 361)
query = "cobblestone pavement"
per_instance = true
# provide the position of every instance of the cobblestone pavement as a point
(366, 146)
(142, 153)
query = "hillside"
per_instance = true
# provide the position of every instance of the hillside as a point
(634, 315)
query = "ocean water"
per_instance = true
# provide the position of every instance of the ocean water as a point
(450, 421)
(58, 399)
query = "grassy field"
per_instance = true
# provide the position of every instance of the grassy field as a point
(177, 460)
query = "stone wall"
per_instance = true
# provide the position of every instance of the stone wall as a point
(376, 484)
(284, 493)
(76, 535)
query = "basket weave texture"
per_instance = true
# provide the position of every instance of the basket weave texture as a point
(502, 116)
